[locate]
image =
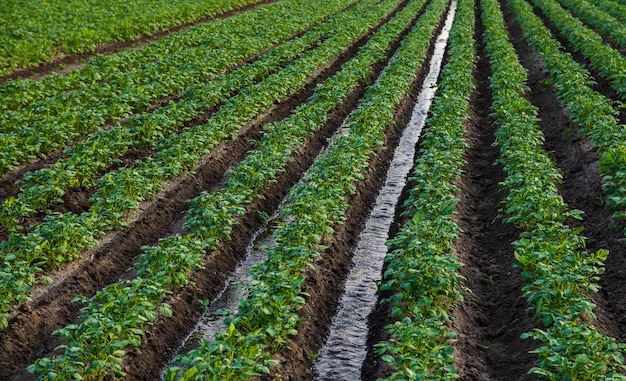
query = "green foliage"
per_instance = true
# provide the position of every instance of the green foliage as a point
(34, 33)
(600, 20)
(560, 274)
(613, 8)
(609, 62)
(576, 351)
(422, 269)
(67, 114)
(587, 108)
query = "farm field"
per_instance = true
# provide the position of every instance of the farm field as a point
(190, 207)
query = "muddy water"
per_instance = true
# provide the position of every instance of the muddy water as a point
(342, 356)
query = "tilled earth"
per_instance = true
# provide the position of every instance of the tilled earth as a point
(489, 321)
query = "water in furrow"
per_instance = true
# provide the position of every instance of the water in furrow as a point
(227, 300)
(345, 349)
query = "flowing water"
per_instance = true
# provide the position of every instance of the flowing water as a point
(343, 354)
(228, 300)
(345, 349)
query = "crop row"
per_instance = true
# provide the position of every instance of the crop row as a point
(587, 108)
(267, 318)
(612, 7)
(56, 121)
(61, 237)
(46, 186)
(119, 83)
(610, 63)
(33, 33)
(609, 27)
(110, 322)
(23, 93)
(422, 274)
(559, 273)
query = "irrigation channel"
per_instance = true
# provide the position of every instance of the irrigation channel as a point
(228, 299)
(345, 348)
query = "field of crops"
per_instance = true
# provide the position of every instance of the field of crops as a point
(144, 165)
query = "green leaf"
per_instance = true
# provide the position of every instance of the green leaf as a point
(166, 310)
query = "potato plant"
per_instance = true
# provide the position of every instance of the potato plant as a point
(69, 116)
(609, 62)
(36, 33)
(600, 20)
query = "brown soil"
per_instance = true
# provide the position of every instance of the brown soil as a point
(68, 62)
(494, 313)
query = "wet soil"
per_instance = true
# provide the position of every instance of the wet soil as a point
(107, 263)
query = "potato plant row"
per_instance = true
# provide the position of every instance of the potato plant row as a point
(19, 94)
(610, 63)
(590, 110)
(422, 272)
(45, 187)
(559, 273)
(611, 7)
(34, 33)
(141, 71)
(59, 120)
(62, 237)
(608, 25)
(267, 318)
(116, 316)
(23, 93)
